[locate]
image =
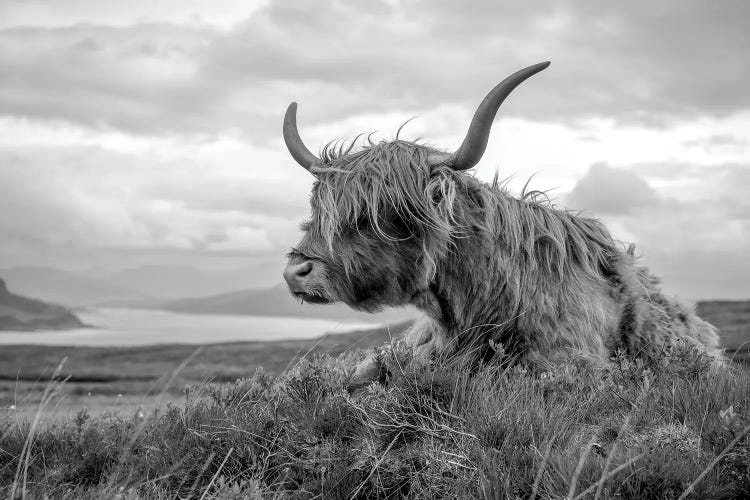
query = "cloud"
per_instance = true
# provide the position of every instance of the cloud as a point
(131, 78)
(719, 142)
(697, 240)
(93, 198)
(340, 59)
(612, 191)
(47, 13)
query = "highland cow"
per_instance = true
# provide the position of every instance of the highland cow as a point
(399, 223)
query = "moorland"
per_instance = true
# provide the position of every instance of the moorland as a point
(207, 422)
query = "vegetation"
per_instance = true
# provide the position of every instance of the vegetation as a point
(732, 318)
(636, 429)
(124, 378)
(119, 378)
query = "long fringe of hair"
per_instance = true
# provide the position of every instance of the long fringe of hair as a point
(395, 177)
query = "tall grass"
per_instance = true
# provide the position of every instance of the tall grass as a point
(664, 428)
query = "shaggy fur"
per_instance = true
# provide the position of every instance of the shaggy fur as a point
(388, 229)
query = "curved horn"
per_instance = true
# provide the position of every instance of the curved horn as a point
(475, 143)
(294, 143)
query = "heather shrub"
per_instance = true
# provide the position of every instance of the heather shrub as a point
(643, 428)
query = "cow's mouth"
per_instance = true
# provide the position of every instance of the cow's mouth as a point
(312, 298)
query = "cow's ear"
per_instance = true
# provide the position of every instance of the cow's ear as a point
(439, 159)
(440, 171)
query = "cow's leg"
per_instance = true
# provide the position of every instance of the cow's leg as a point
(367, 371)
(425, 337)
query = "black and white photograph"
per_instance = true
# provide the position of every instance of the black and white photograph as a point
(381, 249)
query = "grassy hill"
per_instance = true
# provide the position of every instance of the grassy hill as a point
(634, 430)
(97, 374)
(732, 318)
(124, 379)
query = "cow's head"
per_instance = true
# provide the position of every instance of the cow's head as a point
(384, 214)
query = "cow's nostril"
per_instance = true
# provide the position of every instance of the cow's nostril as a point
(304, 269)
(295, 273)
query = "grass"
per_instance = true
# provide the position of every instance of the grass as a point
(732, 318)
(638, 429)
(176, 422)
(123, 378)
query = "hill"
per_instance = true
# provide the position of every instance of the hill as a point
(276, 301)
(630, 430)
(105, 379)
(635, 430)
(178, 281)
(732, 318)
(22, 313)
(217, 362)
(139, 286)
(66, 288)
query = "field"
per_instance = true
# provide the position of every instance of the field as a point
(110, 378)
(733, 321)
(645, 429)
(146, 377)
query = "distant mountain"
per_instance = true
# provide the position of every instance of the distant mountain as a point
(137, 286)
(277, 301)
(21, 313)
(172, 281)
(66, 288)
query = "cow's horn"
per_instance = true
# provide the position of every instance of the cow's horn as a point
(294, 143)
(475, 142)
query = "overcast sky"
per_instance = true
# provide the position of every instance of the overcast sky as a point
(149, 131)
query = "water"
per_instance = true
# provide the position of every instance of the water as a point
(130, 327)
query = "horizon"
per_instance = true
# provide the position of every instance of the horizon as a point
(269, 282)
(142, 134)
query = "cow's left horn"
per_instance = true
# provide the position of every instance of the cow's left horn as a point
(475, 143)
(293, 141)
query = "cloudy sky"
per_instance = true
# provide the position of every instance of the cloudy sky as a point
(148, 132)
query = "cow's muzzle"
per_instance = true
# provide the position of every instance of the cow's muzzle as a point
(303, 278)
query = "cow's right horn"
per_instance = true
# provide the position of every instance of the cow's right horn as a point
(475, 142)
